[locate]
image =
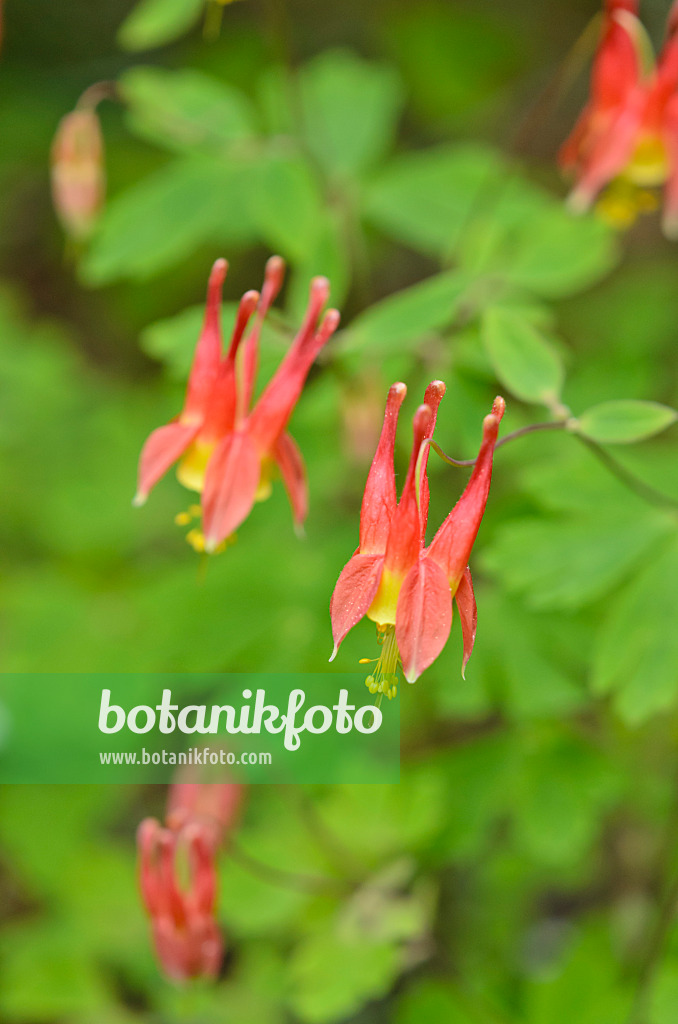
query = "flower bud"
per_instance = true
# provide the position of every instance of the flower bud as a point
(77, 172)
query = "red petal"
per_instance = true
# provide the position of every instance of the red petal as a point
(273, 280)
(468, 614)
(231, 483)
(379, 499)
(205, 369)
(404, 539)
(423, 617)
(452, 544)
(274, 408)
(293, 472)
(161, 450)
(432, 398)
(354, 593)
(617, 65)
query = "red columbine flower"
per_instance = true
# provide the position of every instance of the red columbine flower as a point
(626, 140)
(226, 451)
(187, 939)
(403, 586)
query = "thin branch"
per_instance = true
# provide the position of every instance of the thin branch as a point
(648, 493)
(629, 479)
(286, 879)
(533, 427)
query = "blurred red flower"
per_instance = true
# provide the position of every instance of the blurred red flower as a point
(228, 451)
(626, 140)
(186, 936)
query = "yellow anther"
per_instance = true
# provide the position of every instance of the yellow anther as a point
(183, 518)
(194, 511)
(384, 679)
(196, 538)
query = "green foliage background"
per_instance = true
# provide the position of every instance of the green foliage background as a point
(524, 869)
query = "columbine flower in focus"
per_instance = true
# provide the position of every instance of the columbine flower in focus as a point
(77, 167)
(226, 451)
(625, 143)
(177, 876)
(403, 586)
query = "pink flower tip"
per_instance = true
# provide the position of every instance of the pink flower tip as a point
(498, 407)
(330, 321)
(218, 272)
(139, 499)
(275, 271)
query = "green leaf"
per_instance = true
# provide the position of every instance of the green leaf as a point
(522, 358)
(286, 204)
(434, 1002)
(637, 652)
(349, 108)
(588, 987)
(523, 236)
(567, 563)
(426, 199)
(156, 22)
(562, 789)
(185, 109)
(624, 421)
(664, 993)
(406, 317)
(141, 233)
(331, 978)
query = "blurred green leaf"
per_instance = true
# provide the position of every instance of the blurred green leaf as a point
(350, 107)
(436, 1003)
(636, 657)
(663, 994)
(523, 359)
(287, 205)
(426, 199)
(586, 988)
(407, 316)
(185, 109)
(331, 977)
(569, 562)
(156, 22)
(624, 421)
(140, 233)
(525, 238)
(561, 791)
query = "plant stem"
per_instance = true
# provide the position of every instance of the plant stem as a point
(625, 476)
(533, 427)
(629, 479)
(286, 879)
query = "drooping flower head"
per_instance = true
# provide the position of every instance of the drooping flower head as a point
(227, 451)
(626, 141)
(77, 171)
(177, 876)
(405, 587)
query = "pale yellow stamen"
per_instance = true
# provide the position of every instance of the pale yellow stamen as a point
(622, 202)
(383, 682)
